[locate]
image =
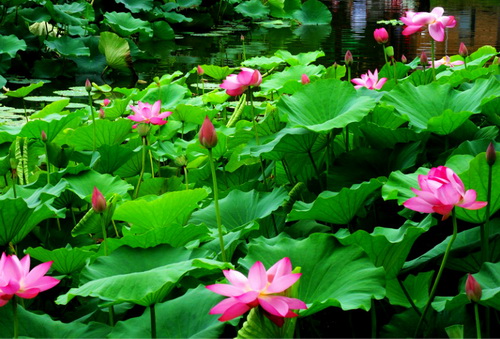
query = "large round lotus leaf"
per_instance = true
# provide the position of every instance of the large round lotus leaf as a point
(324, 105)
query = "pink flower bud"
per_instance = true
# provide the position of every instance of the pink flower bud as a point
(242, 37)
(102, 114)
(43, 135)
(305, 79)
(462, 50)
(423, 59)
(348, 58)
(208, 136)
(403, 59)
(98, 201)
(472, 288)
(200, 70)
(381, 35)
(106, 102)
(88, 85)
(491, 154)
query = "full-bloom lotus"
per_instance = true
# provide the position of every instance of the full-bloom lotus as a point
(435, 20)
(446, 61)
(440, 191)
(148, 114)
(237, 84)
(261, 288)
(381, 35)
(17, 279)
(369, 80)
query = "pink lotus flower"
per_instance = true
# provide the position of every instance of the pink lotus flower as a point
(434, 20)
(442, 190)
(237, 84)
(369, 80)
(446, 61)
(148, 114)
(259, 289)
(304, 79)
(381, 36)
(17, 279)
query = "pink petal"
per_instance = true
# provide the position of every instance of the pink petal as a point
(236, 278)
(245, 76)
(274, 305)
(445, 210)
(423, 18)
(164, 115)
(280, 284)
(409, 30)
(235, 92)
(257, 276)
(248, 297)
(28, 294)
(43, 284)
(137, 117)
(225, 290)
(279, 269)
(294, 304)
(469, 201)
(155, 109)
(157, 121)
(437, 12)
(448, 195)
(380, 83)
(37, 273)
(223, 305)
(419, 205)
(436, 31)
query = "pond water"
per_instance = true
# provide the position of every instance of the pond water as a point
(351, 29)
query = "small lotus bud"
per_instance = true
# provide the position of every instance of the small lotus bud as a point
(335, 65)
(106, 102)
(242, 37)
(491, 154)
(348, 58)
(423, 59)
(43, 136)
(305, 79)
(208, 136)
(88, 86)
(102, 114)
(403, 59)
(181, 161)
(98, 201)
(200, 70)
(157, 81)
(381, 35)
(462, 50)
(143, 129)
(472, 288)
(389, 51)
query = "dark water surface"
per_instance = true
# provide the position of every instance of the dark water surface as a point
(352, 29)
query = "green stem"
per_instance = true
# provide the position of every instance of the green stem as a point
(408, 297)
(48, 163)
(315, 168)
(346, 139)
(485, 228)
(16, 319)
(152, 164)
(186, 177)
(257, 141)
(136, 193)
(94, 133)
(104, 234)
(440, 272)
(152, 313)
(116, 229)
(349, 74)
(433, 43)
(478, 323)
(385, 54)
(216, 203)
(395, 70)
(374, 319)
(111, 311)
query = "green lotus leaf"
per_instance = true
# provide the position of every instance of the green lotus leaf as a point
(257, 325)
(163, 31)
(382, 137)
(217, 72)
(52, 126)
(10, 44)
(116, 50)
(418, 288)
(173, 208)
(42, 325)
(136, 6)
(398, 185)
(52, 108)
(387, 247)
(313, 12)
(125, 24)
(69, 13)
(276, 81)
(82, 184)
(65, 260)
(324, 105)
(303, 59)
(194, 114)
(24, 91)
(107, 133)
(254, 9)
(69, 47)
(184, 317)
(262, 62)
(335, 207)
(241, 208)
(111, 158)
(332, 274)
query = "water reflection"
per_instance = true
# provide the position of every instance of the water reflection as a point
(352, 28)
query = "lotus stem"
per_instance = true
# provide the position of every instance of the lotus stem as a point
(104, 234)
(16, 318)
(254, 119)
(478, 323)
(315, 168)
(348, 73)
(111, 311)
(116, 229)
(408, 297)
(136, 193)
(48, 163)
(385, 54)
(216, 203)
(374, 319)
(485, 228)
(433, 46)
(186, 177)
(440, 272)
(152, 314)
(94, 132)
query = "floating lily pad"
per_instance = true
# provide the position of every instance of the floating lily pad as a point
(43, 98)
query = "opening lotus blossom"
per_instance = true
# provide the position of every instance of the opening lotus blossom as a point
(435, 20)
(237, 84)
(148, 114)
(446, 61)
(17, 279)
(261, 288)
(369, 80)
(440, 191)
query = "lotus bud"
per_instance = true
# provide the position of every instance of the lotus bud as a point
(305, 79)
(157, 81)
(208, 136)
(43, 136)
(348, 58)
(98, 201)
(472, 288)
(106, 102)
(181, 161)
(242, 37)
(200, 70)
(335, 65)
(389, 51)
(491, 154)
(102, 114)
(403, 59)
(423, 59)
(462, 50)
(381, 35)
(88, 86)
(143, 129)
